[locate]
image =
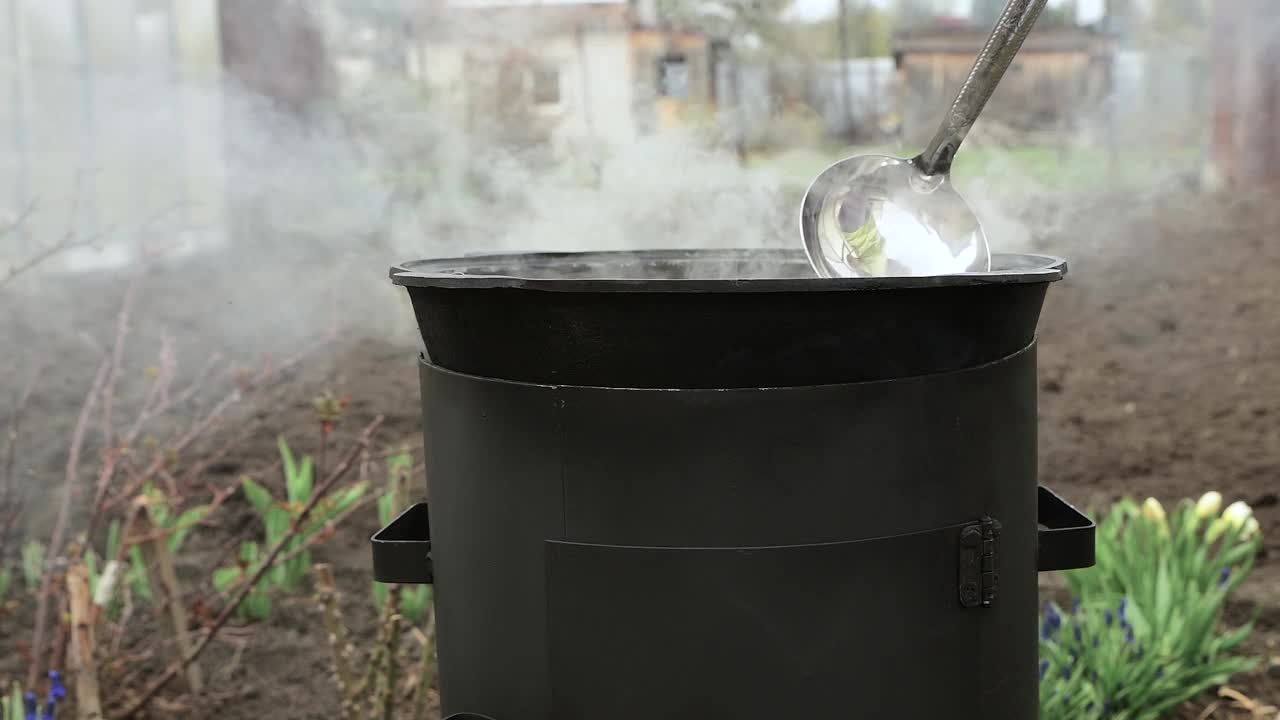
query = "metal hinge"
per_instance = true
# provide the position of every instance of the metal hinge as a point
(979, 578)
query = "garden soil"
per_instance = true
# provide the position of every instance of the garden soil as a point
(1160, 376)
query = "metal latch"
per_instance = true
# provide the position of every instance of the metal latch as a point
(979, 578)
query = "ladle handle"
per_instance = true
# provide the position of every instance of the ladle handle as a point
(1011, 29)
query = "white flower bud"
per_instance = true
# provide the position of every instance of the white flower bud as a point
(1237, 514)
(1153, 511)
(1209, 505)
(1251, 528)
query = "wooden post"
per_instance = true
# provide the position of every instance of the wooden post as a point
(1223, 42)
(168, 597)
(1258, 95)
(1245, 52)
(83, 644)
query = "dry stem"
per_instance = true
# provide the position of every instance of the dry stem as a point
(339, 642)
(60, 526)
(426, 666)
(11, 500)
(163, 577)
(83, 645)
(384, 698)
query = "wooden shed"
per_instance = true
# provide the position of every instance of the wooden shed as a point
(1059, 68)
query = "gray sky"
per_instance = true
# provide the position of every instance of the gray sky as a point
(1089, 10)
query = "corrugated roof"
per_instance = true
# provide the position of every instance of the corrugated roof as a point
(971, 39)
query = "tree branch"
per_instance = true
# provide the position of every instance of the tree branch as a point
(60, 524)
(246, 587)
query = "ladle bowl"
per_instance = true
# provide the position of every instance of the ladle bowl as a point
(878, 216)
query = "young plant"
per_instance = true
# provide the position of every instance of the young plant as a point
(257, 604)
(12, 705)
(1143, 637)
(414, 600)
(6, 580)
(32, 564)
(277, 519)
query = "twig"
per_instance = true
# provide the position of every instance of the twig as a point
(71, 239)
(374, 662)
(156, 402)
(163, 577)
(318, 537)
(60, 525)
(426, 666)
(385, 698)
(198, 428)
(117, 354)
(339, 643)
(243, 387)
(83, 645)
(11, 502)
(20, 220)
(246, 587)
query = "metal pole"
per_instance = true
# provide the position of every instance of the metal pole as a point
(846, 100)
(21, 188)
(88, 131)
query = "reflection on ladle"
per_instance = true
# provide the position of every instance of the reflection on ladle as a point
(875, 215)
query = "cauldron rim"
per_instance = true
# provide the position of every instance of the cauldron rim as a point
(459, 273)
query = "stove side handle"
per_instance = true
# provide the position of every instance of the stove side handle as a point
(402, 549)
(1066, 536)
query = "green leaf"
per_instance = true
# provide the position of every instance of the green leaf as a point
(259, 497)
(113, 539)
(91, 564)
(137, 574)
(225, 578)
(185, 523)
(302, 484)
(286, 457)
(32, 563)
(332, 506)
(159, 504)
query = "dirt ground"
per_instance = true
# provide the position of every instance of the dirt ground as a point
(1159, 376)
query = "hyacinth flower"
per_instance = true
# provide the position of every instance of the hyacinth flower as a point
(57, 692)
(1052, 621)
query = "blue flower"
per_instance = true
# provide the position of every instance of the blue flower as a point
(1044, 667)
(1225, 577)
(1066, 672)
(1052, 621)
(1108, 616)
(49, 707)
(1124, 603)
(29, 705)
(1128, 635)
(1079, 635)
(57, 690)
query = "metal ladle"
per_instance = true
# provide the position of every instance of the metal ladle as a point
(876, 215)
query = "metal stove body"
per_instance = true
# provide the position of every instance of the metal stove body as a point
(657, 490)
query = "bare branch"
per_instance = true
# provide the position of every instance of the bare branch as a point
(11, 493)
(20, 219)
(295, 526)
(60, 524)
